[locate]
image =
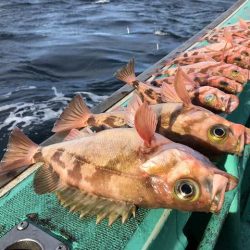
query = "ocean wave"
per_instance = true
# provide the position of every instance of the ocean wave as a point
(93, 97)
(8, 94)
(26, 114)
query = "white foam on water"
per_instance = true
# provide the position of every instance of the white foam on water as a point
(18, 89)
(95, 98)
(8, 106)
(102, 1)
(24, 114)
(160, 33)
(57, 94)
(7, 94)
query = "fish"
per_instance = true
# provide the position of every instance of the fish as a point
(221, 101)
(211, 68)
(237, 53)
(239, 30)
(203, 79)
(78, 115)
(111, 173)
(178, 120)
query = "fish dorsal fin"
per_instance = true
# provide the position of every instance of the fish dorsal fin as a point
(145, 123)
(179, 92)
(180, 87)
(228, 36)
(133, 106)
(168, 93)
(209, 58)
(46, 180)
(75, 115)
(243, 24)
(89, 204)
(77, 134)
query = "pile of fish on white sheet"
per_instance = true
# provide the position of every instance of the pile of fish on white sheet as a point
(144, 155)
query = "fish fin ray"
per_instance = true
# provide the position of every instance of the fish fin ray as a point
(179, 92)
(168, 93)
(46, 180)
(133, 106)
(243, 24)
(180, 86)
(89, 204)
(127, 73)
(228, 36)
(75, 115)
(20, 152)
(76, 134)
(145, 123)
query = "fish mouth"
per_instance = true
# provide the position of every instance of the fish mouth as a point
(232, 104)
(216, 203)
(238, 88)
(218, 194)
(240, 145)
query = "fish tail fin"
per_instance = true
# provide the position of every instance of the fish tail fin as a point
(75, 115)
(20, 152)
(127, 73)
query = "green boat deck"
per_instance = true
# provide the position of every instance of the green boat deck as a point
(150, 229)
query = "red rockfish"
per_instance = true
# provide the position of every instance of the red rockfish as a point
(178, 120)
(110, 173)
(201, 95)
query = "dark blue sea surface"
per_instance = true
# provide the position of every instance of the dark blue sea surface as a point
(51, 50)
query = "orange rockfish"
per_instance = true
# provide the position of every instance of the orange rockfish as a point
(110, 173)
(206, 96)
(201, 79)
(230, 51)
(239, 30)
(178, 120)
(211, 68)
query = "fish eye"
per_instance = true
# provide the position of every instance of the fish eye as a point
(186, 189)
(210, 98)
(235, 73)
(218, 133)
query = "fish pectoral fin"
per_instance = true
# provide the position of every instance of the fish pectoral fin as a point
(178, 92)
(180, 87)
(133, 106)
(46, 180)
(89, 204)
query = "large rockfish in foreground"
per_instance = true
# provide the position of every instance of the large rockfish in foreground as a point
(178, 120)
(111, 172)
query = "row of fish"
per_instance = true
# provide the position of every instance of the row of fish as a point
(144, 155)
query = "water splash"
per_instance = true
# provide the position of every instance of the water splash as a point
(102, 1)
(160, 33)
